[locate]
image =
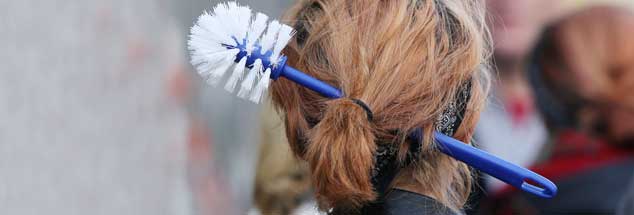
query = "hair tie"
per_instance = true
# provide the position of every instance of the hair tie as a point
(365, 107)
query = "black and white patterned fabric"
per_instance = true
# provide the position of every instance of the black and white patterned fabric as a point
(386, 164)
(448, 122)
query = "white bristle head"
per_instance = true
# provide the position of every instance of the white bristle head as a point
(208, 64)
(241, 16)
(238, 72)
(216, 73)
(218, 37)
(285, 35)
(268, 40)
(247, 84)
(214, 58)
(204, 69)
(261, 87)
(207, 29)
(199, 43)
(255, 31)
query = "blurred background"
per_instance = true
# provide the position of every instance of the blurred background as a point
(101, 113)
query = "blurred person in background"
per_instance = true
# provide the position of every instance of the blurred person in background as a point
(626, 206)
(282, 182)
(582, 71)
(510, 127)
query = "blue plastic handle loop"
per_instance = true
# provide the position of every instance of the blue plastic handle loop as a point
(505, 171)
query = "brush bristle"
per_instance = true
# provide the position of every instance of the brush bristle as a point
(283, 37)
(257, 27)
(261, 87)
(248, 82)
(219, 36)
(268, 40)
(216, 73)
(237, 74)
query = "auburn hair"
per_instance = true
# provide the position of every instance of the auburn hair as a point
(587, 62)
(406, 59)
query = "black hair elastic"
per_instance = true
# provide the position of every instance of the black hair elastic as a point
(365, 107)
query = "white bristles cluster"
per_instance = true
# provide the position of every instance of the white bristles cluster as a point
(285, 35)
(214, 51)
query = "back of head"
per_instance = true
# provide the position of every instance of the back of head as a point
(405, 59)
(586, 61)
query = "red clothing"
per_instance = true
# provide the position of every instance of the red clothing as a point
(589, 172)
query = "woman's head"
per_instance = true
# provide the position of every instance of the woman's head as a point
(586, 62)
(405, 59)
(515, 25)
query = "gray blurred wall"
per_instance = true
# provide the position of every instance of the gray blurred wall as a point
(85, 123)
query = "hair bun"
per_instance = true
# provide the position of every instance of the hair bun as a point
(340, 152)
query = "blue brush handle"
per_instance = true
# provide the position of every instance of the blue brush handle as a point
(510, 173)
(305, 80)
(490, 164)
(505, 171)
(311, 83)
